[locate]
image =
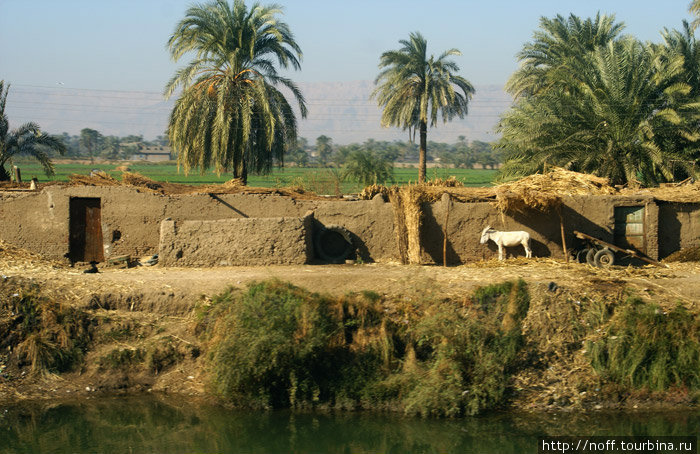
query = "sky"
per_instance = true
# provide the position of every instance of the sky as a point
(67, 56)
(121, 44)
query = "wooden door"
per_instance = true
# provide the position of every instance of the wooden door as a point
(629, 228)
(85, 225)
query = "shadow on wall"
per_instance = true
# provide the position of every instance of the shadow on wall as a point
(543, 225)
(433, 237)
(547, 225)
(670, 227)
(336, 244)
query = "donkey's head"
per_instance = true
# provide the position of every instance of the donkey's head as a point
(485, 234)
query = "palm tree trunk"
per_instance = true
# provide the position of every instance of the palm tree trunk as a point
(422, 151)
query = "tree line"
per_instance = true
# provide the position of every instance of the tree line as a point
(587, 97)
(324, 153)
(592, 99)
(91, 144)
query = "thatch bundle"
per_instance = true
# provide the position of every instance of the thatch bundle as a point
(544, 191)
(140, 181)
(686, 191)
(407, 202)
(413, 198)
(369, 192)
(401, 233)
(94, 179)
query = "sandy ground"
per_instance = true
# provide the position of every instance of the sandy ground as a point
(178, 288)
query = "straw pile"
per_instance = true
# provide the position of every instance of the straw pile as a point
(544, 191)
(687, 191)
(94, 179)
(691, 254)
(369, 192)
(140, 181)
(13, 258)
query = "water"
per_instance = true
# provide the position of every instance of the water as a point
(154, 425)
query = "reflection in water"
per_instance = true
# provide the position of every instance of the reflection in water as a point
(148, 425)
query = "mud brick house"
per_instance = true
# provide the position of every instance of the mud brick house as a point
(214, 227)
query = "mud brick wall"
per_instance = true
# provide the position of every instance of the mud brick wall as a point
(243, 241)
(131, 222)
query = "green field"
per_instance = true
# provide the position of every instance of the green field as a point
(319, 180)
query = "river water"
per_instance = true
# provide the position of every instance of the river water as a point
(151, 424)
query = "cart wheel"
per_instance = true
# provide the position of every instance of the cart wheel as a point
(604, 258)
(581, 256)
(590, 256)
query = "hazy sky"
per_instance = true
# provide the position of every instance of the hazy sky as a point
(120, 44)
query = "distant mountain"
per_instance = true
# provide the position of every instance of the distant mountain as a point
(340, 110)
(343, 111)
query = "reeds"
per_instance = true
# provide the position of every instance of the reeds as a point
(647, 347)
(43, 334)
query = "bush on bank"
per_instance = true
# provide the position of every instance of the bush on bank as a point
(43, 334)
(277, 345)
(645, 346)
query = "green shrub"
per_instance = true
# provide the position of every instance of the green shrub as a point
(646, 347)
(276, 345)
(464, 356)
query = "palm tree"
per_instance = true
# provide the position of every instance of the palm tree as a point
(27, 139)
(625, 99)
(368, 167)
(324, 148)
(414, 89)
(557, 45)
(231, 113)
(684, 44)
(694, 9)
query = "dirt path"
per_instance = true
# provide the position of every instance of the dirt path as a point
(177, 289)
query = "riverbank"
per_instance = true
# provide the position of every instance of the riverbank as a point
(142, 328)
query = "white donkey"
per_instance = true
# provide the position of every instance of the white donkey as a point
(506, 239)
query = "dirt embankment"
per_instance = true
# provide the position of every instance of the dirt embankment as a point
(141, 321)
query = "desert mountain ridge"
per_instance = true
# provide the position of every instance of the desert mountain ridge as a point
(340, 110)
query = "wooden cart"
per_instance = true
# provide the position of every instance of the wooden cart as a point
(602, 254)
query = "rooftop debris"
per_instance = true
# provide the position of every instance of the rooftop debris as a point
(544, 191)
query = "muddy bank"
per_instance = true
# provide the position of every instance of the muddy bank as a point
(126, 331)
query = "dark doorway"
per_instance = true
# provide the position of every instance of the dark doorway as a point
(85, 244)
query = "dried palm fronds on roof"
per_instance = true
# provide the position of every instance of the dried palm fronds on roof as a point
(138, 180)
(449, 182)
(687, 191)
(94, 179)
(544, 191)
